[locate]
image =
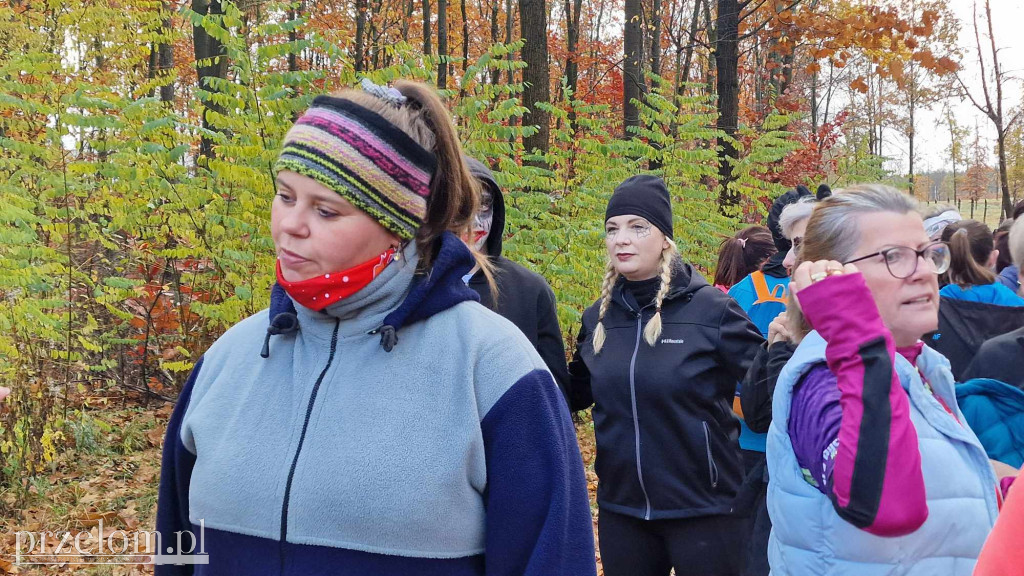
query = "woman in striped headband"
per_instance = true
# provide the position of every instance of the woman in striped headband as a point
(395, 425)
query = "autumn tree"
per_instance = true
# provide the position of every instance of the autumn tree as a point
(727, 69)
(978, 175)
(876, 33)
(533, 26)
(993, 80)
(1015, 160)
(923, 86)
(211, 64)
(573, 9)
(161, 55)
(633, 85)
(957, 149)
(442, 43)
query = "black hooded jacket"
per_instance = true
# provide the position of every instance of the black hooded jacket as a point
(964, 326)
(998, 358)
(667, 440)
(524, 297)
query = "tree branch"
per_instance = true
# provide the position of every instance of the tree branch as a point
(764, 24)
(752, 10)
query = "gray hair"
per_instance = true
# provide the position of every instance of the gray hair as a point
(1017, 242)
(833, 233)
(795, 213)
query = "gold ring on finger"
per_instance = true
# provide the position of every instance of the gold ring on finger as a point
(818, 276)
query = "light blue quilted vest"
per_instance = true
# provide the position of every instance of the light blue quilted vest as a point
(808, 536)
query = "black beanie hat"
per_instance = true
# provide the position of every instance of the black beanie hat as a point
(645, 196)
(824, 191)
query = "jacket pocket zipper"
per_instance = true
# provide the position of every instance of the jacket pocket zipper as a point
(712, 467)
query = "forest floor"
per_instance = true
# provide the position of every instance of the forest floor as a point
(109, 477)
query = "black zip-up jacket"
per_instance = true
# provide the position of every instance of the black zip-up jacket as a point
(666, 435)
(758, 386)
(524, 297)
(964, 326)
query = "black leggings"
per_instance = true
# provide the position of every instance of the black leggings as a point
(703, 546)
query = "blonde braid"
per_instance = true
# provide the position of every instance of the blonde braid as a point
(653, 329)
(606, 298)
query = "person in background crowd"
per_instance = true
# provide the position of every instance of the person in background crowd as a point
(659, 355)
(793, 222)
(762, 294)
(524, 297)
(992, 392)
(941, 216)
(872, 468)
(973, 256)
(742, 254)
(1002, 358)
(1000, 239)
(763, 307)
(974, 307)
(394, 425)
(1010, 275)
(755, 397)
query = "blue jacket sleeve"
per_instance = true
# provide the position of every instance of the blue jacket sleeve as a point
(538, 509)
(175, 475)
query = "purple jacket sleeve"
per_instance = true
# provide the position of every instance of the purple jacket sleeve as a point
(875, 480)
(814, 425)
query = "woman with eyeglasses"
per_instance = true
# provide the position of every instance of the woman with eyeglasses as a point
(873, 470)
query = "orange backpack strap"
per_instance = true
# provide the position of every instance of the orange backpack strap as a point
(762, 291)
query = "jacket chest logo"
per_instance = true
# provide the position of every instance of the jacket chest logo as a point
(672, 341)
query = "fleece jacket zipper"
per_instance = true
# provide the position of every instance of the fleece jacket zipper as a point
(302, 438)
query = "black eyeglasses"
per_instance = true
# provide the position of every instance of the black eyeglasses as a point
(901, 261)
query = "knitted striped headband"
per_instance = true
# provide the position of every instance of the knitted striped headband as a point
(365, 158)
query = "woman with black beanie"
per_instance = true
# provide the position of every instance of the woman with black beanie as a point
(658, 356)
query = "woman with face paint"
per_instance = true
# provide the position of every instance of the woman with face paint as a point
(376, 419)
(523, 296)
(659, 356)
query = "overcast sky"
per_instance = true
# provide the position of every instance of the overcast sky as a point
(1008, 27)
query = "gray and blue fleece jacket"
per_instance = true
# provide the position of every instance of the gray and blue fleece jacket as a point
(404, 430)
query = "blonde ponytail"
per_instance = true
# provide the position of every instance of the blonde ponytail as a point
(653, 329)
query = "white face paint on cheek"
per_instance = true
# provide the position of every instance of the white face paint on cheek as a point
(481, 230)
(483, 221)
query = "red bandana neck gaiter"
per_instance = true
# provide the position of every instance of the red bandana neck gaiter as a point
(319, 292)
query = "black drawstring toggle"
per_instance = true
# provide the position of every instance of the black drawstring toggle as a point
(283, 323)
(388, 337)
